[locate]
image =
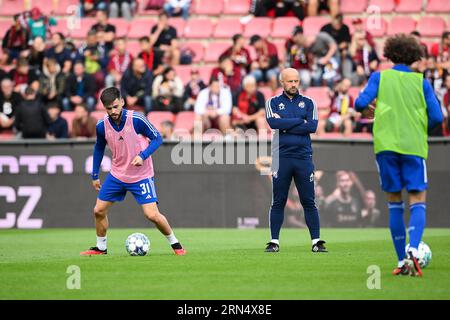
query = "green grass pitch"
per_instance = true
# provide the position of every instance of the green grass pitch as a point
(221, 264)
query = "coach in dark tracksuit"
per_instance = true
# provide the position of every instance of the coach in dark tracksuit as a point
(293, 117)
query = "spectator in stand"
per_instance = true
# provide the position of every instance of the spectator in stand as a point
(167, 92)
(239, 54)
(126, 8)
(314, 7)
(342, 111)
(36, 54)
(58, 127)
(90, 7)
(227, 73)
(441, 51)
(136, 85)
(80, 88)
(192, 89)
(420, 66)
(175, 8)
(365, 59)
(31, 118)
(39, 24)
(108, 29)
(298, 57)
(325, 65)
(51, 83)
(24, 75)
(167, 130)
(359, 27)
(94, 58)
(15, 40)
(446, 104)
(283, 7)
(119, 62)
(265, 68)
(249, 106)
(341, 35)
(58, 49)
(152, 57)
(9, 102)
(164, 37)
(83, 124)
(213, 108)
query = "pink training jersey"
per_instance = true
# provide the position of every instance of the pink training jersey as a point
(125, 146)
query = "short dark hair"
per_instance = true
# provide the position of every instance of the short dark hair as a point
(144, 38)
(403, 49)
(53, 104)
(236, 37)
(162, 13)
(254, 38)
(108, 95)
(445, 34)
(415, 33)
(29, 91)
(60, 35)
(83, 105)
(223, 58)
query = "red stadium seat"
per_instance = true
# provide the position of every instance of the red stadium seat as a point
(179, 24)
(320, 96)
(81, 33)
(351, 6)
(208, 7)
(134, 48)
(429, 26)
(259, 26)
(158, 117)
(226, 28)
(198, 28)
(354, 92)
(68, 116)
(184, 121)
(401, 24)
(4, 26)
(198, 49)
(122, 26)
(238, 7)
(281, 48)
(376, 26)
(12, 7)
(140, 28)
(385, 6)
(184, 72)
(312, 25)
(266, 91)
(7, 135)
(283, 27)
(214, 50)
(438, 6)
(64, 7)
(409, 6)
(98, 114)
(205, 73)
(360, 135)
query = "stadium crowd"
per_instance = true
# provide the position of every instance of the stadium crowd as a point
(44, 73)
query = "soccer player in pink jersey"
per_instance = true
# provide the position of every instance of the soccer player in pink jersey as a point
(127, 134)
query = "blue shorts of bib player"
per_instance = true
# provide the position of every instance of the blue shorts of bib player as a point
(398, 171)
(113, 190)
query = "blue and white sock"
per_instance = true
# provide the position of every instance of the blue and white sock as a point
(397, 227)
(416, 225)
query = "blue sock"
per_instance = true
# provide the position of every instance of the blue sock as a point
(313, 222)
(276, 221)
(416, 223)
(397, 226)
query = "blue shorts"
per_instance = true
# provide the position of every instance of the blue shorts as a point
(113, 190)
(398, 171)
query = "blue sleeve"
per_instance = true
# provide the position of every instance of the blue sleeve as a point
(435, 116)
(309, 125)
(99, 149)
(278, 123)
(369, 93)
(144, 127)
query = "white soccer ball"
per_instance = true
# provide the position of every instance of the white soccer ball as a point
(137, 244)
(424, 256)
